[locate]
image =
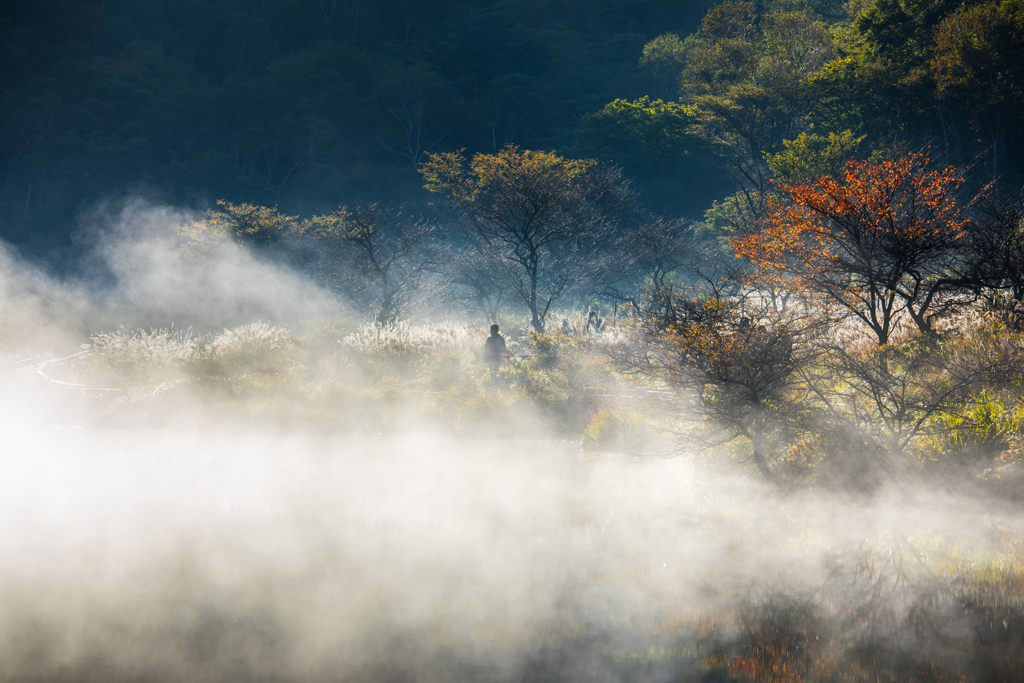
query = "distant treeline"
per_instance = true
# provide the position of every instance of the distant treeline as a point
(306, 104)
(299, 103)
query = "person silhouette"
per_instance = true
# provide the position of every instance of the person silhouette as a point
(495, 352)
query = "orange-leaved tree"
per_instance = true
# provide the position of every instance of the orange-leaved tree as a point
(878, 239)
(540, 216)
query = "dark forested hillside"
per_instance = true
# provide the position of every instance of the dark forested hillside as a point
(299, 103)
(307, 103)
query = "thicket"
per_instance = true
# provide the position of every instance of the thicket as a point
(847, 330)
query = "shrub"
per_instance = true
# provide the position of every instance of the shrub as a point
(557, 377)
(255, 348)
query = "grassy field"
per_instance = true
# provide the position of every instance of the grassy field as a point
(364, 503)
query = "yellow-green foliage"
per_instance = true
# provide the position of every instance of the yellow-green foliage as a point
(990, 419)
(643, 135)
(250, 222)
(1000, 569)
(813, 156)
(985, 422)
(559, 376)
(243, 223)
(200, 238)
(557, 381)
(722, 218)
(511, 168)
(475, 405)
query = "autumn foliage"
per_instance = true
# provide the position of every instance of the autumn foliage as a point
(877, 239)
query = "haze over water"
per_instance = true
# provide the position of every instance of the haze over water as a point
(171, 547)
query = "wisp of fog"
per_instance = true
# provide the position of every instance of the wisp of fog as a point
(224, 550)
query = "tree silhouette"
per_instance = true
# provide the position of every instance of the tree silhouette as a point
(540, 215)
(375, 255)
(740, 363)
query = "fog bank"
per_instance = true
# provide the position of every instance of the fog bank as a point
(146, 555)
(226, 550)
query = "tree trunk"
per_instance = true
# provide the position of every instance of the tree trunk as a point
(758, 448)
(536, 322)
(386, 310)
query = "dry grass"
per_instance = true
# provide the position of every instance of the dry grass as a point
(138, 354)
(161, 355)
(404, 339)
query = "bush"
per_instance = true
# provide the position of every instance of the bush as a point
(255, 348)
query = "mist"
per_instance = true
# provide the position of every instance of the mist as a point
(189, 542)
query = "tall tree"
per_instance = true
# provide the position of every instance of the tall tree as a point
(658, 257)
(646, 137)
(665, 56)
(997, 255)
(375, 255)
(748, 75)
(542, 216)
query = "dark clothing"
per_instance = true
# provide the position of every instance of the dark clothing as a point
(494, 351)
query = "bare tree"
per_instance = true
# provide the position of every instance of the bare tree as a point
(474, 276)
(375, 255)
(997, 256)
(409, 98)
(502, 126)
(658, 256)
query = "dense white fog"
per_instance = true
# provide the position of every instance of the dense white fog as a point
(166, 555)
(214, 551)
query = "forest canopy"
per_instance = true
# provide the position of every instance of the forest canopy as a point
(305, 104)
